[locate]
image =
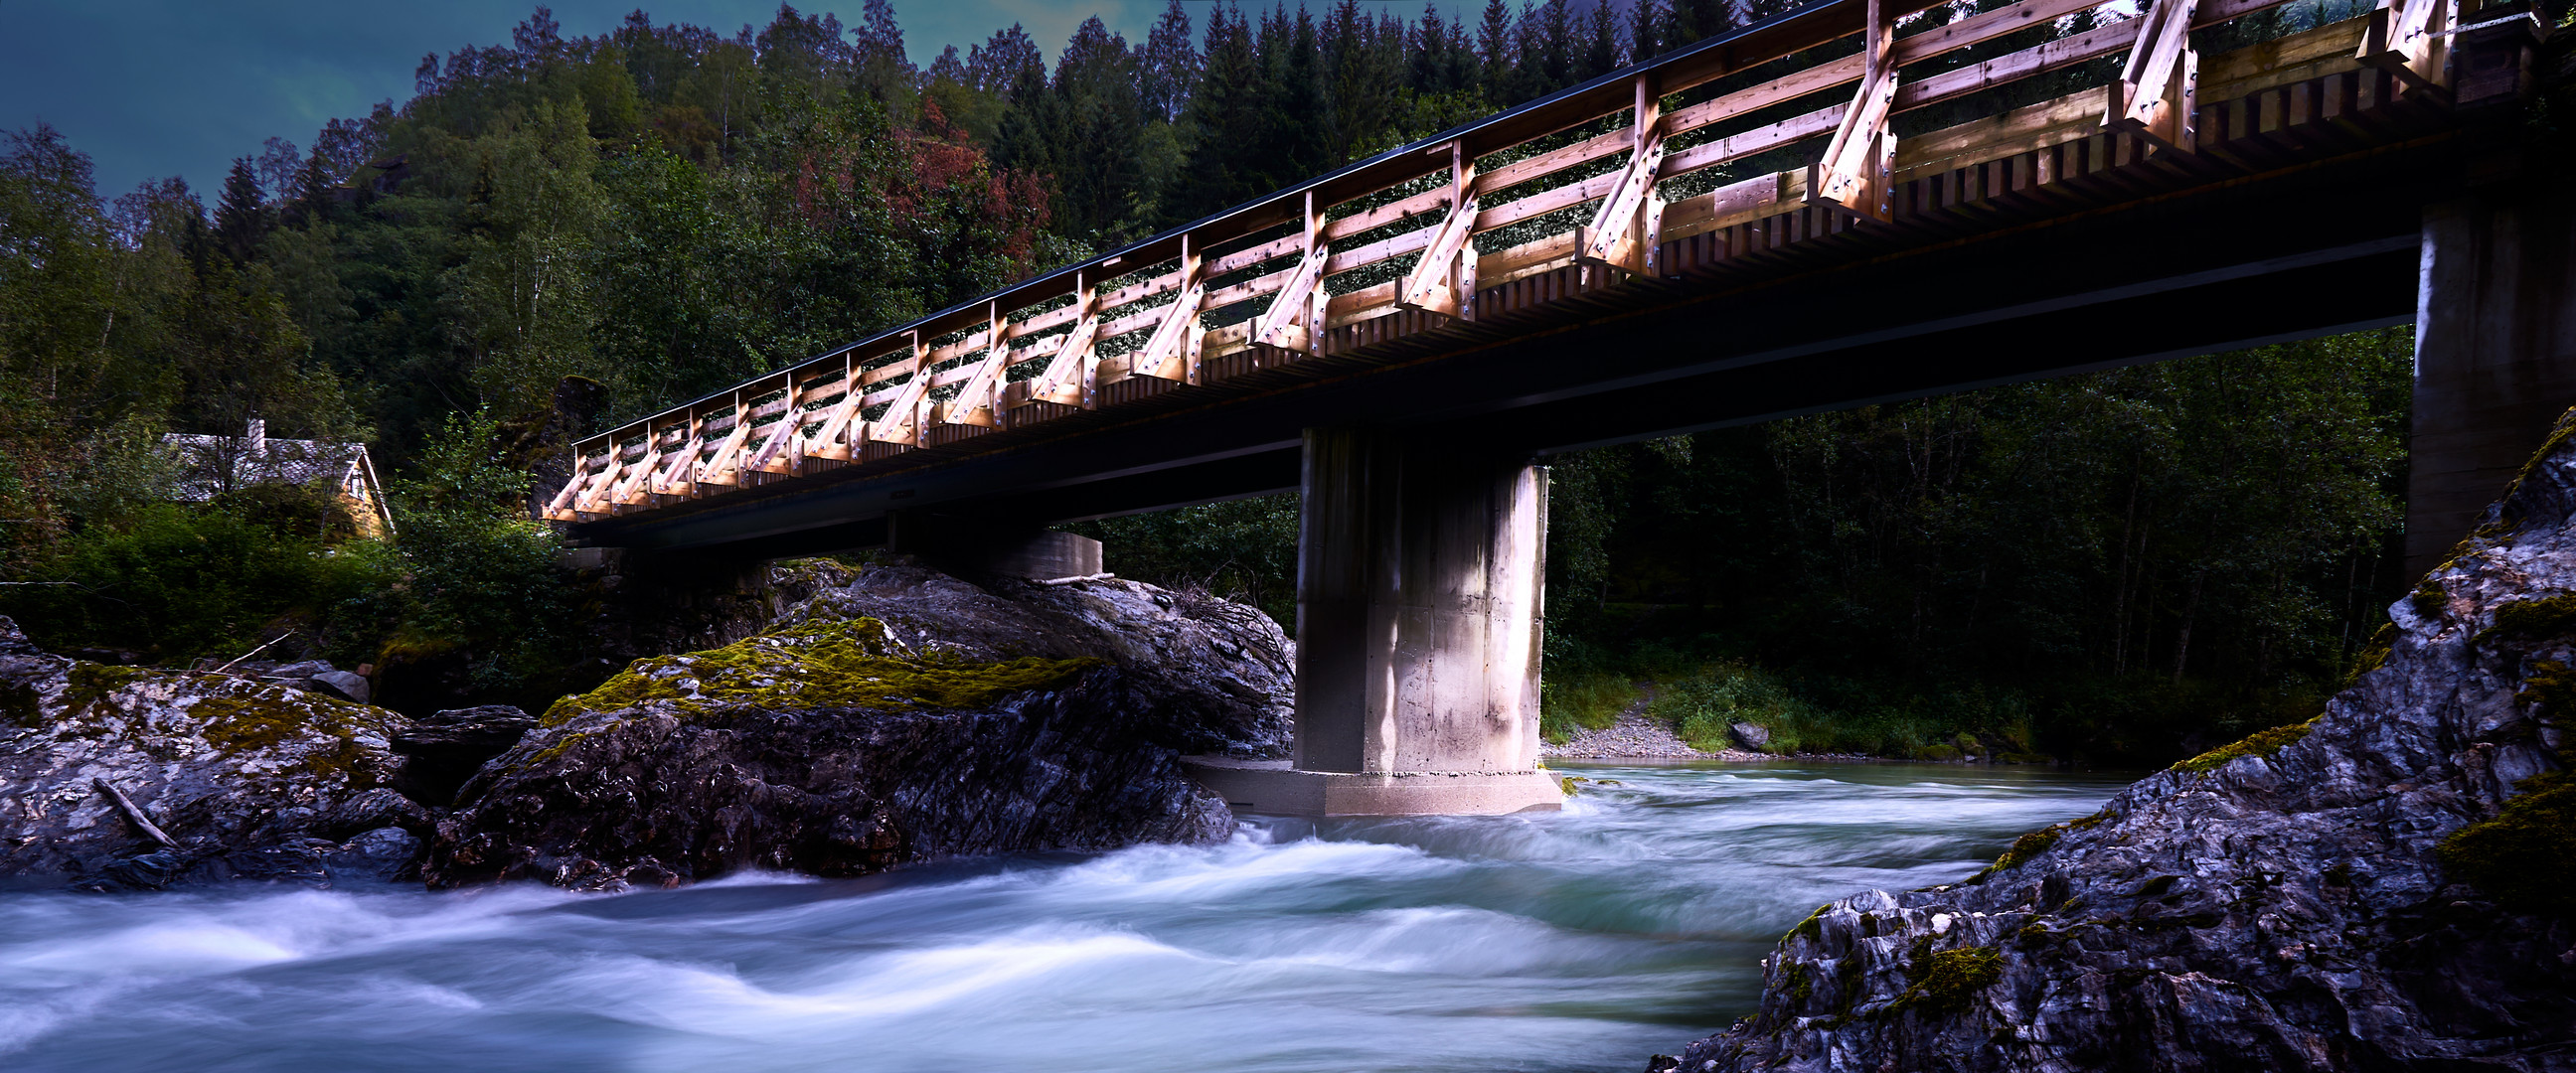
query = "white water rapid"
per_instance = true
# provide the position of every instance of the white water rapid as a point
(1583, 940)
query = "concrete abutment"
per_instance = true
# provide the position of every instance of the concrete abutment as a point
(2495, 357)
(1421, 575)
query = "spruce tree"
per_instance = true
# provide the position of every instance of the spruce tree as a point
(1171, 64)
(241, 218)
(1601, 45)
(1494, 47)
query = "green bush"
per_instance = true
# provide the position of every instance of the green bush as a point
(178, 582)
(1582, 700)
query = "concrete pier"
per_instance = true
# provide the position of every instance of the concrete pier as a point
(1420, 575)
(2495, 358)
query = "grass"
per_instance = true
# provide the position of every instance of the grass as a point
(1582, 700)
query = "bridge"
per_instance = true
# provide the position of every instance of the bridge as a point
(1856, 201)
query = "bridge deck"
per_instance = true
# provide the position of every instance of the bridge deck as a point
(1563, 274)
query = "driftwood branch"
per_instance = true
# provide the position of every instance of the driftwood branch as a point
(134, 815)
(255, 651)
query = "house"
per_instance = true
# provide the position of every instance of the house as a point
(213, 465)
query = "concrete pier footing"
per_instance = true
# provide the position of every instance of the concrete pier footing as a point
(2495, 358)
(1420, 574)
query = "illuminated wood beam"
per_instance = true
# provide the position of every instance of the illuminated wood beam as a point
(1072, 378)
(1614, 238)
(1443, 281)
(1172, 352)
(2409, 39)
(904, 416)
(1858, 164)
(1294, 320)
(975, 404)
(2156, 94)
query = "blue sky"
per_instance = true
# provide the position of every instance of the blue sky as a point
(154, 87)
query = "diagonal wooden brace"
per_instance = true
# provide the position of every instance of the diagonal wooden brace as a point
(1290, 323)
(724, 466)
(2410, 39)
(903, 418)
(974, 404)
(1072, 376)
(1172, 352)
(1856, 173)
(775, 454)
(1437, 284)
(843, 417)
(2157, 93)
(1614, 237)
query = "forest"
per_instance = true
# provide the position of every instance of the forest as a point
(564, 231)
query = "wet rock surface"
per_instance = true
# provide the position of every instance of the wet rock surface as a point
(897, 716)
(243, 778)
(2285, 903)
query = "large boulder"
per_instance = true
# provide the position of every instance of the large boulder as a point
(2391, 886)
(1216, 676)
(122, 777)
(896, 715)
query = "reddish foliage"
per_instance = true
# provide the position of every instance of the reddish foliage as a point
(938, 188)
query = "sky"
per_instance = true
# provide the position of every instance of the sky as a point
(151, 88)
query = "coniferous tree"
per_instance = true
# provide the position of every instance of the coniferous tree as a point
(1099, 132)
(1601, 44)
(1227, 120)
(1494, 47)
(241, 218)
(1171, 64)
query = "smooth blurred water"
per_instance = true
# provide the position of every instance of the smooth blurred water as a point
(1628, 924)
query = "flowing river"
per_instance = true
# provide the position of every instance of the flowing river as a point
(1628, 924)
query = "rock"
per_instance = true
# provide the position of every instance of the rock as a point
(346, 686)
(1752, 736)
(444, 749)
(2386, 887)
(385, 854)
(239, 773)
(1010, 719)
(301, 670)
(374, 809)
(1220, 676)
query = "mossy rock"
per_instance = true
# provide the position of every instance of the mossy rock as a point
(1950, 980)
(844, 664)
(2022, 850)
(2260, 743)
(2532, 620)
(2526, 855)
(1939, 754)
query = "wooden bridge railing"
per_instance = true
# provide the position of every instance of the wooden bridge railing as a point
(1543, 186)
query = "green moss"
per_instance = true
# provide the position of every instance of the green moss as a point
(2552, 685)
(2090, 822)
(258, 718)
(817, 665)
(1939, 754)
(94, 682)
(2532, 620)
(2526, 855)
(2023, 849)
(2429, 600)
(1951, 979)
(2259, 743)
(2375, 652)
(1812, 928)
(1795, 979)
